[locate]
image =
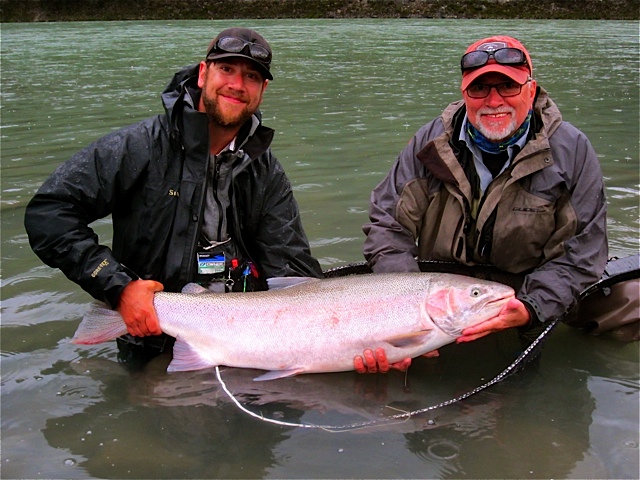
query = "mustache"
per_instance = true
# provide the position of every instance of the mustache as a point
(495, 111)
(227, 92)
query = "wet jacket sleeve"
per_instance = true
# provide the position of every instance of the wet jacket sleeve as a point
(279, 238)
(389, 246)
(87, 187)
(551, 289)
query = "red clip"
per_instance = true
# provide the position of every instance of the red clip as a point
(254, 270)
(234, 263)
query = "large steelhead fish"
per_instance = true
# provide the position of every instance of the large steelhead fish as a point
(303, 325)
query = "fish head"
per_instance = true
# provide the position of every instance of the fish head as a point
(457, 302)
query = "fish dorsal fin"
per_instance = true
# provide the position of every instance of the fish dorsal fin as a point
(194, 288)
(185, 358)
(278, 283)
(409, 339)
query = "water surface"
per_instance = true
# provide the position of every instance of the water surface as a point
(347, 96)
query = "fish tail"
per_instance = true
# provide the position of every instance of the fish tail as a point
(100, 324)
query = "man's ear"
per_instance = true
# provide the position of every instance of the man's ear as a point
(202, 73)
(533, 87)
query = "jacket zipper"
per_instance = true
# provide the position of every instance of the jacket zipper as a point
(196, 217)
(216, 176)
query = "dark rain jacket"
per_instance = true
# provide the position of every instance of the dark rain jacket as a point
(151, 178)
(543, 217)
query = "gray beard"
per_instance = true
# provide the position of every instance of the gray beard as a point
(498, 136)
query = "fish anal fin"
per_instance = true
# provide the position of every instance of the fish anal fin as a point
(185, 358)
(409, 339)
(274, 374)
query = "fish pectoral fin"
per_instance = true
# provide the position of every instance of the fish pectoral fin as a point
(194, 288)
(278, 283)
(273, 374)
(409, 339)
(185, 358)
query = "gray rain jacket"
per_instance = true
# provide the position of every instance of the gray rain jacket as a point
(151, 178)
(544, 216)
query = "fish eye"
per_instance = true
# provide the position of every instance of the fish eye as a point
(475, 292)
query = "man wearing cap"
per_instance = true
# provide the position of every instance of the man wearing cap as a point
(195, 194)
(498, 178)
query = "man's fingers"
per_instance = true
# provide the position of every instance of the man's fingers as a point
(370, 360)
(137, 308)
(153, 326)
(402, 365)
(470, 338)
(431, 354)
(137, 329)
(373, 362)
(381, 358)
(358, 365)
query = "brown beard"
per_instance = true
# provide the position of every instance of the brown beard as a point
(216, 117)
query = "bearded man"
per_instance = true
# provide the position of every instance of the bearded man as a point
(498, 178)
(195, 195)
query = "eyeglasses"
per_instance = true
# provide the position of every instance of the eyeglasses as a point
(506, 89)
(503, 56)
(237, 45)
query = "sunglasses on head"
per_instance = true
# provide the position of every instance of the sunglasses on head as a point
(503, 56)
(237, 45)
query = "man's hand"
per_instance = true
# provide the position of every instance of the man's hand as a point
(137, 310)
(377, 362)
(513, 314)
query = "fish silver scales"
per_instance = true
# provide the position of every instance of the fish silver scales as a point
(314, 326)
(318, 325)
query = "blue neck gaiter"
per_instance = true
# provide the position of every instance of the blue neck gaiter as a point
(496, 147)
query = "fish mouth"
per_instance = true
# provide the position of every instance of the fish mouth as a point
(497, 304)
(482, 312)
(500, 301)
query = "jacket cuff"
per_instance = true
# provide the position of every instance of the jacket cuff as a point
(395, 263)
(121, 280)
(534, 311)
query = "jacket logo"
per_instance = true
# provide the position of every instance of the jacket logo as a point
(174, 193)
(103, 264)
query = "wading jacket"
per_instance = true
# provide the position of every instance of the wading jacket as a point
(543, 217)
(151, 177)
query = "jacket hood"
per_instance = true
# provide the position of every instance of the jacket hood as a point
(176, 89)
(547, 110)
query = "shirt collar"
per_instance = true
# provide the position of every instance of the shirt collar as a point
(483, 172)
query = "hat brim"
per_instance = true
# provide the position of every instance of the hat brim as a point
(265, 73)
(517, 74)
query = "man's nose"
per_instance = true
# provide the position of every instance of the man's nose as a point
(494, 98)
(236, 81)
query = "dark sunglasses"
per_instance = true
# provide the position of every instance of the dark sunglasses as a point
(237, 45)
(503, 56)
(505, 89)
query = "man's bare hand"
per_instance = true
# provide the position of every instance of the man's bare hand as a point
(513, 314)
(374, 362)
(137, 310)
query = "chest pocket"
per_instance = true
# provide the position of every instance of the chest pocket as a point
(529, 230)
